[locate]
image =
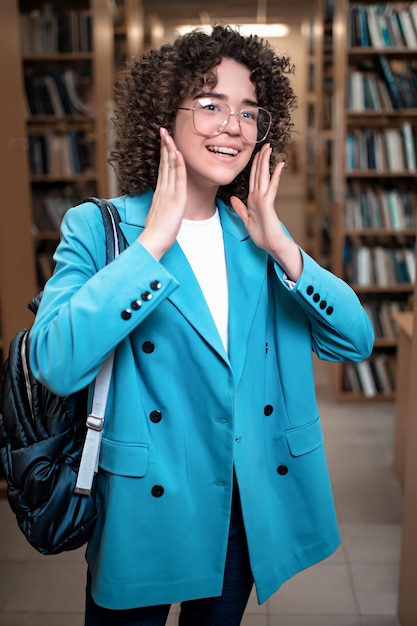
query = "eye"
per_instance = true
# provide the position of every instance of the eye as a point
(207, 104)
(249, 114)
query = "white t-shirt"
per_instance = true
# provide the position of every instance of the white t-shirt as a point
(202, 243)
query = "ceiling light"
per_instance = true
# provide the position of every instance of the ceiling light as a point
(262, 30)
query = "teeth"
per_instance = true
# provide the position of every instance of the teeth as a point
(222, 150)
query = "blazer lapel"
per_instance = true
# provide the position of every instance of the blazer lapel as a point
(188, 298)
(246, 269)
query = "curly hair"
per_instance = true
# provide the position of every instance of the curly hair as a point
(153, 86)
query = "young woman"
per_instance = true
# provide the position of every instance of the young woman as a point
(212, 471)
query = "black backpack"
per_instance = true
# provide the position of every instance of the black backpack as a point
(41, 440)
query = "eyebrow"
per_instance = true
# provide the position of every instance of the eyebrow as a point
(222, 96)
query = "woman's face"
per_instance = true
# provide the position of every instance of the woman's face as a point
(216, 161)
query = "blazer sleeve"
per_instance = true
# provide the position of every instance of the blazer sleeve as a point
(340, 328)
(89, 307)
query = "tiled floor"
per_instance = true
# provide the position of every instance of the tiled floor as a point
(356, 586)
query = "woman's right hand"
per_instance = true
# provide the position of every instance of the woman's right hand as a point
(168, 204)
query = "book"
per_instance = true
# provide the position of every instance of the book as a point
(70, 82)
(409, 146)
(366, 378)
(407, 28)
(389, 77)
(395, 150)
(375, 34)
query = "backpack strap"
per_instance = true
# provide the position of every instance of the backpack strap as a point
(115, 240)
(115, 243)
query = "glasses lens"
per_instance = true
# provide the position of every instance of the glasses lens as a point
(211, 117)
(255, 123)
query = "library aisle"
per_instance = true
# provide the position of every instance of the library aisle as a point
(356, 586)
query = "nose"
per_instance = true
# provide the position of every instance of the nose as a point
(233, 125)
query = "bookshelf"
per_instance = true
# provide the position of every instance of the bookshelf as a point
(58, 61)
(319, 138)
(129, 30)
(375, 128)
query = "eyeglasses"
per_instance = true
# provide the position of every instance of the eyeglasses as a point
(211, 116)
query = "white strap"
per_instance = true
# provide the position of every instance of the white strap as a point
(95, 421)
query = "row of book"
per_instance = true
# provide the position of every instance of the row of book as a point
(370, 91)
(377, 375)
(382, 150)
(388, 84)
(384, 266)
(53, 30)
(57, 93)
(381, 315)
(383, 25)
(379, 208)
(60, 154)
(51, 202)
(49, 208)
(44, 265)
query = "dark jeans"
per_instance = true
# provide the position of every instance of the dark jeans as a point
(225, 610)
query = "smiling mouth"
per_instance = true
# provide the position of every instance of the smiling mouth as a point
(223, 150)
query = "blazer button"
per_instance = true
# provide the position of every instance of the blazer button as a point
(323, 304)
(329, 310)
(136, 304)
(157, 491)
(310, 290)
(155, 416)
(155, 285)
(126, 314)
(146, 295)
(268, 409)
(316, 297)
(282, 470)
(148, 347)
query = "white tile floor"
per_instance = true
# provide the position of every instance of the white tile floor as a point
(356, 586)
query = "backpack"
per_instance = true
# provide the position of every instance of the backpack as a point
(42, 437)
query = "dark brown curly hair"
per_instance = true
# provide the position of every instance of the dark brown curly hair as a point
(154, 85)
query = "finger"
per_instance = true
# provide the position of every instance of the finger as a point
(263, 179)
(164, 158)
(253, 171)
(276, 177)
(258, 167)
(240, 208)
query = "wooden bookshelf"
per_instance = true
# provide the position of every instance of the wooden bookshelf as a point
(55, 145)
(374, 181)
(17, 273)
(319, 137)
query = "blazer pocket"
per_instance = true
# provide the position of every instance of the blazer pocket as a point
(304, 439)
(124, 459)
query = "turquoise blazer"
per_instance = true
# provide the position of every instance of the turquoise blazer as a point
(182, 413)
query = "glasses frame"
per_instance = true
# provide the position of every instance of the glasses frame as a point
(224, 124)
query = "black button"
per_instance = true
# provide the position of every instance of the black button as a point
(316, 297)
(136, 304)
(323, 304)
(155, 416)
(146, 295)
(157, 491)
(268, 409)
(155, 285)
(266, 348)
(310, 290)
(126, 314)
(329, 310)
(148, 347)
(282, 470)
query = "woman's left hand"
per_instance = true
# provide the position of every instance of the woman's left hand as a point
(261, 219)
